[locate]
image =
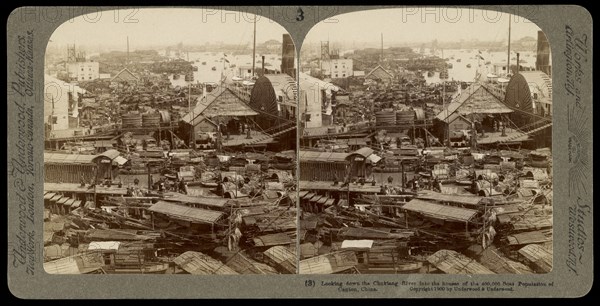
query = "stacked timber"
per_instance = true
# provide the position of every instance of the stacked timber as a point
(131, 120)
(405, 117)
(385, 118)
(151, 119)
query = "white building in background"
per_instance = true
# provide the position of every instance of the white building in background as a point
(83, 71)
(61, 104)
(316, 105)
(338, 68)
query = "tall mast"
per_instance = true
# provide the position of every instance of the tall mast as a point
(254, 48)
(127, 49)
(381, 59)
(508, 57)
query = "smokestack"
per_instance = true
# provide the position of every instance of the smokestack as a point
(542, 61)
(262, 68)
(518, 65)
(288, 56)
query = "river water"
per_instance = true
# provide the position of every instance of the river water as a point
(205, 74)
(460, 71)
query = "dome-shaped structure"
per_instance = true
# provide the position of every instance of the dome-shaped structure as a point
(518, 95)
(524, 91)
(270, 94)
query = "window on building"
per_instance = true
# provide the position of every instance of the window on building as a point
(90, 78)
(343, 75)
(336, 66)
(336, 75)
(81, 68)
(54, 119)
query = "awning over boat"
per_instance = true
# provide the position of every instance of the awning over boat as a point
(438, 211)
(308, 196)
(49, 195)
(186, 213)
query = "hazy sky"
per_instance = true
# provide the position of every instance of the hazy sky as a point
(165, 26)
(421, 25)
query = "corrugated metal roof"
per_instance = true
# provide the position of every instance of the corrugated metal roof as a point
(76, 188)
(183, 212)
(328, 185)
(440, 211)
(452, 262)
(322, 156)
(201, 264)
(64, 158)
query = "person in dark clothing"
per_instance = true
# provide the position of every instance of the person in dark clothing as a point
(182, 186)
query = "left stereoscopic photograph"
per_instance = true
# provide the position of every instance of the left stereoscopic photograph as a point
(170, 144)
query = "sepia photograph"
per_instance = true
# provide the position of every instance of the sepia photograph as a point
(425, 144)
(170, 144)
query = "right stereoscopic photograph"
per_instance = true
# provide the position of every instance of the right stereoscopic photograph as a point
(425, 144)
